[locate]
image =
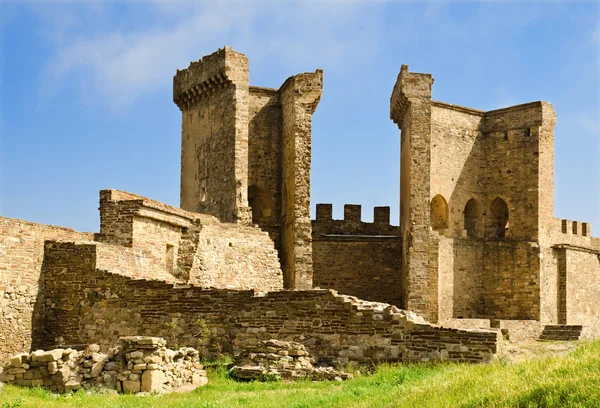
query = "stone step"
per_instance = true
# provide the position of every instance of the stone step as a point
(561, 332)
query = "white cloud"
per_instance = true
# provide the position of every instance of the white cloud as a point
(121, 65)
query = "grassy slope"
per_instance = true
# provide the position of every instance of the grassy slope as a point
(571, 380)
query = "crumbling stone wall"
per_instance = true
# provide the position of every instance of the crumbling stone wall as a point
(189, 246)
(332, 326)
(21, 258)
(139, 364)
(357, 258)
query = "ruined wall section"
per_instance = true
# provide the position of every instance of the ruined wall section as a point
(236, 257)
(361, 259)
(190, 246)
(410, 109)
(265, 160)
(300, 96)
(456, 160)
(213, 97)
(333, 327)
(21, 258)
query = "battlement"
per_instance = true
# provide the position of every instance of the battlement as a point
(209, 74)
(579, 228)
(352, 224)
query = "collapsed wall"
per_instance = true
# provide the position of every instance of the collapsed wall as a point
(87, 304)
(139, 238)
(188, 246)
(21, 258)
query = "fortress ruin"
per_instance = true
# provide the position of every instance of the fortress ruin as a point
(478, 251)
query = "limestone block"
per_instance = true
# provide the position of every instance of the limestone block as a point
(52, 367)
(49, 356)
(153, 380)
(131, 387)
(18, 360)
(198, 380)
(6, 378)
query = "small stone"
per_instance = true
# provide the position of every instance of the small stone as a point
(93, 348)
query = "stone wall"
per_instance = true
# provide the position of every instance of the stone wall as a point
(21, 258)
(189, 246)
(455, 160)
(90, 305)
(489, 279)
(579, 288)
(265, 160)
(357, 258)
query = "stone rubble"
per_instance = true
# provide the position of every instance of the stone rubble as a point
(139, 365)
(281, 360)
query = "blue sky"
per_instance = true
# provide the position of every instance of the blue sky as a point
(86, 88)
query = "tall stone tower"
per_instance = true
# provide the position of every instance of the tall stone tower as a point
(213, 97)
(246, 153)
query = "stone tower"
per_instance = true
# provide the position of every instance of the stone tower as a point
(246, 153)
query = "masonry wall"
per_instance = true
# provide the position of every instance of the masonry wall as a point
(21, 258)
(264, 160)
(488, 279)
(579, 288)
(456, 159)
(236, 257)
(368, 268)
(511, 142)
(333, 327)
(361, 259)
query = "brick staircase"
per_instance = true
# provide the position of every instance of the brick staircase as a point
(561, 332)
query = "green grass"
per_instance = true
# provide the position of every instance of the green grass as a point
(572, 380)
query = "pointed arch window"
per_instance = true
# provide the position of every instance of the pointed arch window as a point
(499, 218)
(473, 214)
(439, 213)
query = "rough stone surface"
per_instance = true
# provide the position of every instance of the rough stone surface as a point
(114, 370)
(281, 360)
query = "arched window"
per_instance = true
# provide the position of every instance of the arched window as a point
(439, 213)
(499, 218)
(473, 213)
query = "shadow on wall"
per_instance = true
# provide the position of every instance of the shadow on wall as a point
(494, 276)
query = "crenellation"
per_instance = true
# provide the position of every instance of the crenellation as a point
(352, 213)
(324, 212)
